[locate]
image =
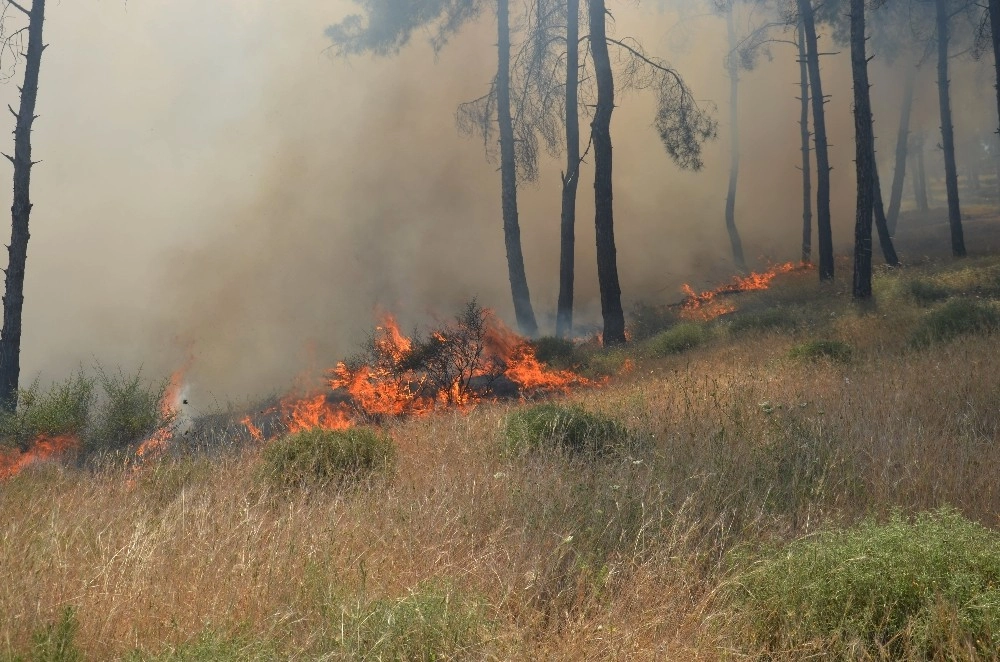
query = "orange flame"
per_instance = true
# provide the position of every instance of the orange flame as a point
(170, 404)
(254, 431)
(44, 447)
(706, 305)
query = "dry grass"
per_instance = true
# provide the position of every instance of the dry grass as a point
(551, 556)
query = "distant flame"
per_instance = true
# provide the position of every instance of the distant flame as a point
(170, 404)
(706, 305)
(43, 447)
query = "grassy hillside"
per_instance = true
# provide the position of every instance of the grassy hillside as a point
(797, 477)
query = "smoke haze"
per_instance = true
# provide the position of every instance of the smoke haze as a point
(213, 182)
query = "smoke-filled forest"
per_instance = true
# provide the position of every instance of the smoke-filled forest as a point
(532, 329)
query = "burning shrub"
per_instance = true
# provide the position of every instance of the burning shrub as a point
(129, 411)
(328, 456)
(921, 589)
(557, 427)
(956, 318)
(769, 319)
(61, 411)
(428, 624)
(677, 339)
(813, 350)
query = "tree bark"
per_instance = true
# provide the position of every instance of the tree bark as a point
(881, 225)
(995, 29)
(13, 299)
(902, 141)
(732, 66)
(804, 131)
(824, 232)
(920, 174)
(948, 133)
(864, 150)
(571, 178)
(508, 180)
(607, 261)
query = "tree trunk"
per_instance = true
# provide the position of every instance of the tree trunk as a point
(508, 180)
(920, 176)
(948, 133)
(732, 65)
(864, 151)
(902, 141)
(881, 225)
(824, 232)
(571, 178)
(995, 29)
(607, 261)
(804, 130)
(13, 299)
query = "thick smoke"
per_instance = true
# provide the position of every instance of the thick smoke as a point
(213, 182)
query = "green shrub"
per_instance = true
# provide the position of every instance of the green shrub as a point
(926, 292)
(557, 352)
(428, 624)
(328, 456)
(128, 411)
(955, 318)
(814, 350)
(677, 339)
(556, 427)
(769, 319)
(647, 320)
(63, 409)
(211, 646)
(54, 642)
(922, 589)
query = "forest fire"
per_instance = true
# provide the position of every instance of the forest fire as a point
(709, 304)
(455, 366)
(170, 404)
(13, 462)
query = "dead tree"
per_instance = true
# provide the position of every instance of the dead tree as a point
(804, 137)
(864, 143)
(570, 178)
(733, 71)
(994, 13)
(902, 141)
(13, 299)
(948, 130)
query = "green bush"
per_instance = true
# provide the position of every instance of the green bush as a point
(955, 318)
(770, 319)
(921, 589)
(428, 624)
(814, 350)
(647, 320)
(53, 642)
(128, 411)
(211, 646)
(677, 339)
(328, 456)
(926, 292)
(556, 427)
(63, 409)
(557, 352)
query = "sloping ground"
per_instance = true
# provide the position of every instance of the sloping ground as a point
(796, 414)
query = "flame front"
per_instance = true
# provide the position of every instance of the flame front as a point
(707, 305)
(43, 447)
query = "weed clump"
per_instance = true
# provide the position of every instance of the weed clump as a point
(129, 411)
(647, 320)
(920, 589)
(556, 427)
(926, 291)
(814, 350)
(324, 456)
(677, 339)
(428, 624)
(770, 319)
(557, 352)
(955, 318)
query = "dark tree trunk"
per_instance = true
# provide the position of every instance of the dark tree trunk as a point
(508, 180)
(864, 151)
(13, 299)
(995, 29)
(948, 133)
(607, 261)
(734, 142)
(881, 225)
(804, 131)
(823, 230)
(571, 178)
(902, 141)
(920, 174)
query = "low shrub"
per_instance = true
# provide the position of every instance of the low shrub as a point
(557, 352)
(926, 292)
(955, 318)
(647, 320)
(677, 339)
(64, 409)
(925, 588)
(211, 646)
(428, 624)
(769, 319)
(128, 410)
(557, 427)
(813, 350)
(322, 456)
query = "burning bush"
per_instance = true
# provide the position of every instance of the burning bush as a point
(556, 427)
(323, 456)
(130, 411)
(61, 411)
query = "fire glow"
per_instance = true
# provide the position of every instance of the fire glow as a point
(402, 378)
(708, 305)
(42, 448)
